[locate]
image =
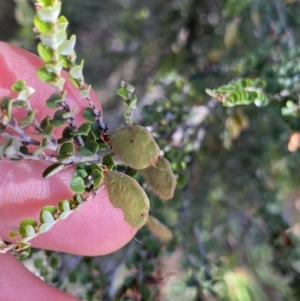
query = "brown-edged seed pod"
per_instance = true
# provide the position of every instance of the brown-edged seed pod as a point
(160, 178)
(162, 232)
(126, 193)
(135, 146)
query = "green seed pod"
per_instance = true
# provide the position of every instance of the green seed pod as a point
(160, 178)
(134, 146)
(125, 193)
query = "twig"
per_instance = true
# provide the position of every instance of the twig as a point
(283, 19)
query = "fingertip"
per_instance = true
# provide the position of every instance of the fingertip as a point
(96, 229)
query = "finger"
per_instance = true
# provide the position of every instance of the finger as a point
(25, 286)
(98, 228)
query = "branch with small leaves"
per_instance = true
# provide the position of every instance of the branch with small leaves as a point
(84, 147)
(242, 92)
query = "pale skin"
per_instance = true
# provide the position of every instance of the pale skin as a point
(97, 229)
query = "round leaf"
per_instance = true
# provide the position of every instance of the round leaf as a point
(160, 178)
(25, 223)
(126, 193)
(52, 170)
(77, 185)
(135, 146)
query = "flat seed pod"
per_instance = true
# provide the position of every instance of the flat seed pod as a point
(134, 146)
(125, 193)
(160, 178)
(162, 232)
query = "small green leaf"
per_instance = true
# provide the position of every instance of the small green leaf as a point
(39, 151)
(46, 217)
(9, 108)
(108, 161)
(50, 14)
(78, 199)
(127, 86)
(45, 227)
(22, 245)
(73, 276)
(45, 142)
(83, 130)
(76, 72)
(14, 233)
(90, 148)
(41, 26)
(47, 131)
(58, 118)
(45, 122)
(85, 93)
(97, 177)
(51, 209)
(64, 215)
(18, 86)
(75, 82)
(89, 115)
(54, 68)
(45, 2)
(86, 166)
(59, 83)
(67, 133)
(38, 263)
(66, 61)
(123, 93)
(64, 206)
(46, 53)
(66, 150)
(66, 48)
(77, 185)
(53, 40)
(55, 261)
(29, 119)
(30, 232)
(63, 23)
(95, 133)
(81, 173)
(45, 76)
(69, 114)
(54, 101)
(52, 170)
(25, 223)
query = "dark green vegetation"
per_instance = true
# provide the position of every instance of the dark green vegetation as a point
(234, 215)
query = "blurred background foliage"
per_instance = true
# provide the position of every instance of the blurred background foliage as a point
(235, 217)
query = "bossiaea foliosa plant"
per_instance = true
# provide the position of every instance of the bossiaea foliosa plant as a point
(65, 132)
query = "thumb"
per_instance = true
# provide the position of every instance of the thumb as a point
(17, 283)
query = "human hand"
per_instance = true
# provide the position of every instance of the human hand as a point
(96, 229)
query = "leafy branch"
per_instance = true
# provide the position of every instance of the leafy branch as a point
(80, 146)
